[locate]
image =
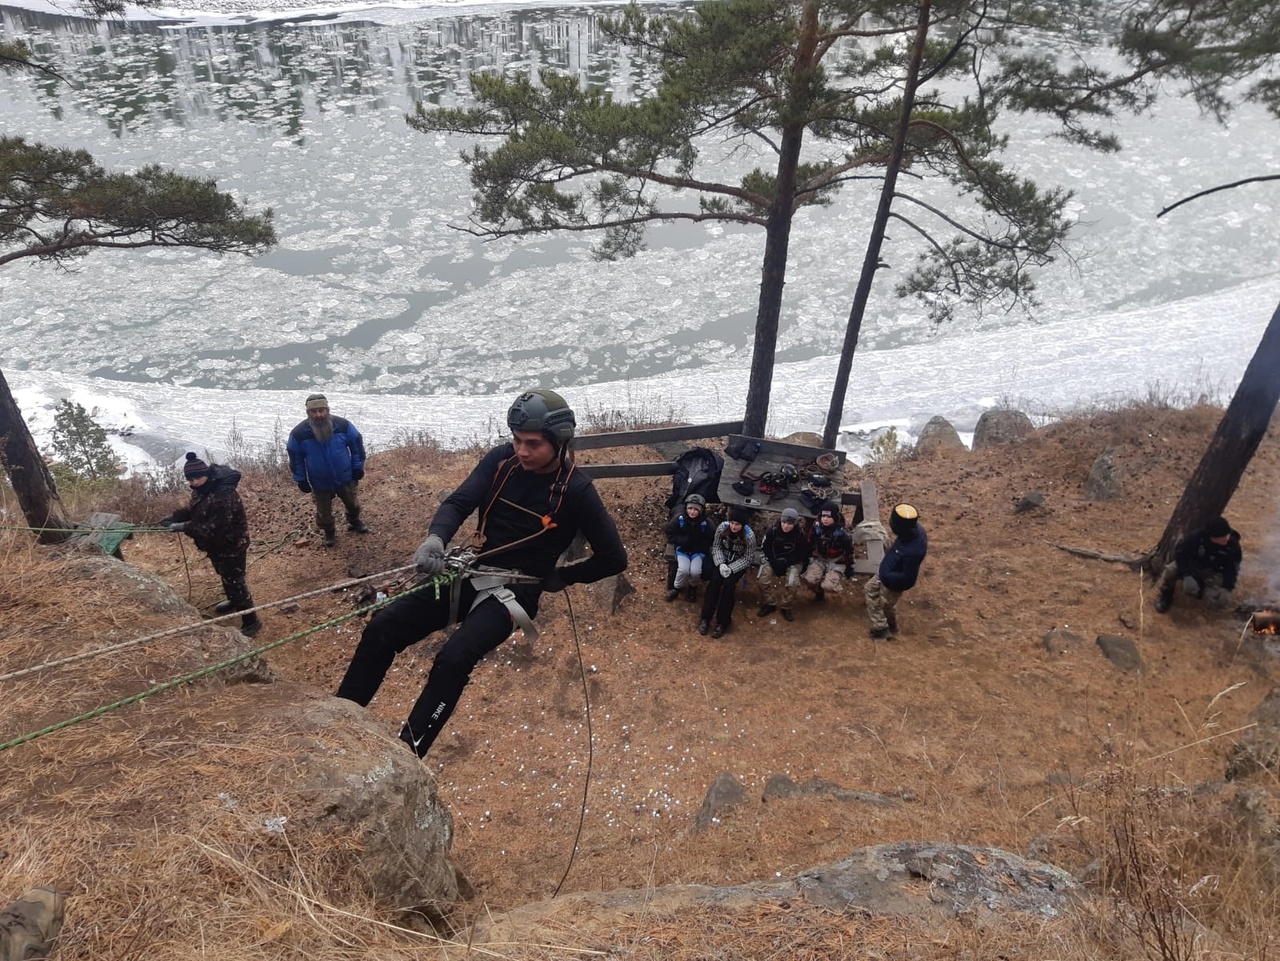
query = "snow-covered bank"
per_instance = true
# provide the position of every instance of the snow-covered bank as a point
(1198, 343)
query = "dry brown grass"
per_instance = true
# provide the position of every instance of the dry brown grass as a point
(153, 818)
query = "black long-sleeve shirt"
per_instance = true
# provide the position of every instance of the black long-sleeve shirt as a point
(514, 503)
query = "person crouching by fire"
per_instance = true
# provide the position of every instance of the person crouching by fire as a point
(1207, 561)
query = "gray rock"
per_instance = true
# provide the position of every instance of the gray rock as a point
(805, 438)
(1060, 640)
(1028, 502)
(610, 592)
(961, 880)
(1120, 651)
(938, 437)
(380, 800)
(725, 792)
(927, 882)
(1103, 482)
(780, 786)
(1001, 426)
(1258, 749)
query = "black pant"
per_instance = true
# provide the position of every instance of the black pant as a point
(231, 568)
(722, 593)
(407, 621)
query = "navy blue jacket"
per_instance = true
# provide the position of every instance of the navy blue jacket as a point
(690, 536)
(326, 467)
(901, 564)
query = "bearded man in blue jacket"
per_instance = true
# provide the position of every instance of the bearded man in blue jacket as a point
(326, 456)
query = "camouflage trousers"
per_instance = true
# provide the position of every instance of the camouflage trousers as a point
(324, 505)
(825, 574)
(882, 605)
(778, 589)
(1198, 583)
(231, 569)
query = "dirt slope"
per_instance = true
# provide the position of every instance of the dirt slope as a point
(981, 733)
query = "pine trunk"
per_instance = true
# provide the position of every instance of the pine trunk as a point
(1233, 445)
(31, 480)
(778, 232)
(871, 258)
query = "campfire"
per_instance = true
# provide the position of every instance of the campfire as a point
(1266, 621)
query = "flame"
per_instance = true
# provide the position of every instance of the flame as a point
(1266, 622)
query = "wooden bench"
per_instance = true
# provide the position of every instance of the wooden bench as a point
(104, 531)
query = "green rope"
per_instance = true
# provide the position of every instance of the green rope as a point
(439, 580)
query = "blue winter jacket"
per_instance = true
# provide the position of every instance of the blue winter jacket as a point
(326, 467)
(901, 564)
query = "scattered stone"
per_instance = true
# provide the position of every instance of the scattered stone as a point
(781, 786)
(962, 880)
(1028, 502)
(1103, 482)
(610, 592)
(932, 883)
(1060, 640)
(1120, 651)
(726, 791)
(938, 436)
(1259, 748)
(29, 926)
(1001, 426)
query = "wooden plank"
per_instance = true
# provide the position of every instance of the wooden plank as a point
(772, 456)
(654, 469)
(656, 435)
(875, 549)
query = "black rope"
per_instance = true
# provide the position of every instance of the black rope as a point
(586, 783)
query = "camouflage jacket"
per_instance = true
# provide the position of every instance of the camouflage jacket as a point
(215, 518)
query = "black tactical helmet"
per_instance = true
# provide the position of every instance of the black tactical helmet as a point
(696, 499)
(543, 410)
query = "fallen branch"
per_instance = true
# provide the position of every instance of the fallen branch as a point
(1134, 561)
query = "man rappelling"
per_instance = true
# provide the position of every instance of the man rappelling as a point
(531, 503)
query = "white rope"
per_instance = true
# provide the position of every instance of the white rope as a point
(85, 655)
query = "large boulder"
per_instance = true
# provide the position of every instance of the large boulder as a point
(1001, 426)
(1103, 482)
(937, 437)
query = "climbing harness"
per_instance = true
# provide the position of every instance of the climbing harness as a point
(487, 582)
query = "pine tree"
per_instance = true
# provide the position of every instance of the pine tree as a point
(81, 446)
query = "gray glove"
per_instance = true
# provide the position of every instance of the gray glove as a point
(177, 527)
(726, 571)
(429, 558)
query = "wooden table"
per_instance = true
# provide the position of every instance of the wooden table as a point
(772, 455)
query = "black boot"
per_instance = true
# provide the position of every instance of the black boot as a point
(1164, 599)
(357, 526)
(692, 594)
(673, 593)
(250, 624)
(330, 536)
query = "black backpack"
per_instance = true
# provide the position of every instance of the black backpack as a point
(697, 472)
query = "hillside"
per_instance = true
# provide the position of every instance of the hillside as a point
(977, 730)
